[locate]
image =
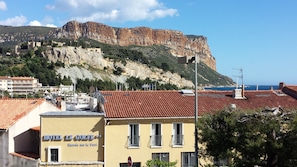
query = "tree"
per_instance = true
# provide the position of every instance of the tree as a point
(165, 66)
(248, 138)
(159, 163)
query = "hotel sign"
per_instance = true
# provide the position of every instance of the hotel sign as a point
(70, 137)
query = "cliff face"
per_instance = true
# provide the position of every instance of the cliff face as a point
(85, 58)
(179, 44)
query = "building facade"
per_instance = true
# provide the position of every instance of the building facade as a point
(19, 139)
(72, 138)
(19, 85)
(138, 126)
(129, 128)
(168, 139)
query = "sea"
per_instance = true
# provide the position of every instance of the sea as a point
(246, 87)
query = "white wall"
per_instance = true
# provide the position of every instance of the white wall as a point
(28, 121)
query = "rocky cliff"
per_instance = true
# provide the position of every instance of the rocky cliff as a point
(78, 60)
(179, 44)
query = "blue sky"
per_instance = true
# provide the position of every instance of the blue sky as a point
(258, 36)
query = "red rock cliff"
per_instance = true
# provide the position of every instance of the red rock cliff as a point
(180, 44)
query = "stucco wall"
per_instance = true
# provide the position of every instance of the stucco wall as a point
(116, 141)
(24, 124)
(3, 148)
(15, 161)
(72, 148)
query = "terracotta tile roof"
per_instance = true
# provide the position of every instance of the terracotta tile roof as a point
(135, 104)
(150, 104)
(16, 78)
(22, 78)
(30, 156)
(292, 87)
(37, 128)
(11, 110)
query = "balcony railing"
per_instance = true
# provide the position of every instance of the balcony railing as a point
(156, 140)
(133, 141)
(177, 139)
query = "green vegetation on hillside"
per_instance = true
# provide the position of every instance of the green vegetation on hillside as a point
(18, 34)
(33, 64)
(157, 56)
(153, 56)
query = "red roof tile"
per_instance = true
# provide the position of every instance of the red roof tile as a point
(149, 104)
(37, 128)
(292, 87)
(11, 110)
(30, 156)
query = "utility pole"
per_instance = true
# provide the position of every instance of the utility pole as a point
(186, 60)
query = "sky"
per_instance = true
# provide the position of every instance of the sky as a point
(258, 37)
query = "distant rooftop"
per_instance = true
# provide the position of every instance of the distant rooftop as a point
(73, 113)
(11, 110)
(162, 104)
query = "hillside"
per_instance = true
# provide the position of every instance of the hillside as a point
(177, 43)
(160, 58)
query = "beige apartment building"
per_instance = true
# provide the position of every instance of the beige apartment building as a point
(19, 85)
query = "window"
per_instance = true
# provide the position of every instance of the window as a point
(177, 136)
(161, 156)
(156, 136)
(221, 162)
(188, 159)
(134, 135)
(53, 154)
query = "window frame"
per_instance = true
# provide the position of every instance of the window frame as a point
(175, 134)
(161, 155)
(49, 154)
(156, 134)
(190, 162)
(130, 135)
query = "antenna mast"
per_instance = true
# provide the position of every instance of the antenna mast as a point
(241, 75)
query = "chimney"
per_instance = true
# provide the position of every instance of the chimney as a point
(281, 85)
(100, 107)
(239, 93)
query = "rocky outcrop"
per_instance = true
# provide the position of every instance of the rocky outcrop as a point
(90, 64)
(77, 56)
(179, 44)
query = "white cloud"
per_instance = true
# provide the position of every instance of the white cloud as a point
(15, 21)
(35, 23)
(51, 25)
(113, 10)
(3, 5)
(38, 23)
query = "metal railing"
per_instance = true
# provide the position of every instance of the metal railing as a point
(133, 141)
(156, 140)
(177, 139)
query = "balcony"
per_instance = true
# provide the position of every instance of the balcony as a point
(133, 141)
(177, 140)
(156, 140)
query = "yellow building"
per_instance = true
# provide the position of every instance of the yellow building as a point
(146, 125)
(133, 124)
(168, 139)
(140, 126)
(72, 138)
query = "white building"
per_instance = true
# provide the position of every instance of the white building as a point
(19, 137)
(19, 85)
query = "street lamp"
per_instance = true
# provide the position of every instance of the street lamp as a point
(186, 60)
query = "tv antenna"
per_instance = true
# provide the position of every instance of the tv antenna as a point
(240, 76)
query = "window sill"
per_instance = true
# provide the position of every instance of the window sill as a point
(177, 146)
(156, 146)
(133, 147)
